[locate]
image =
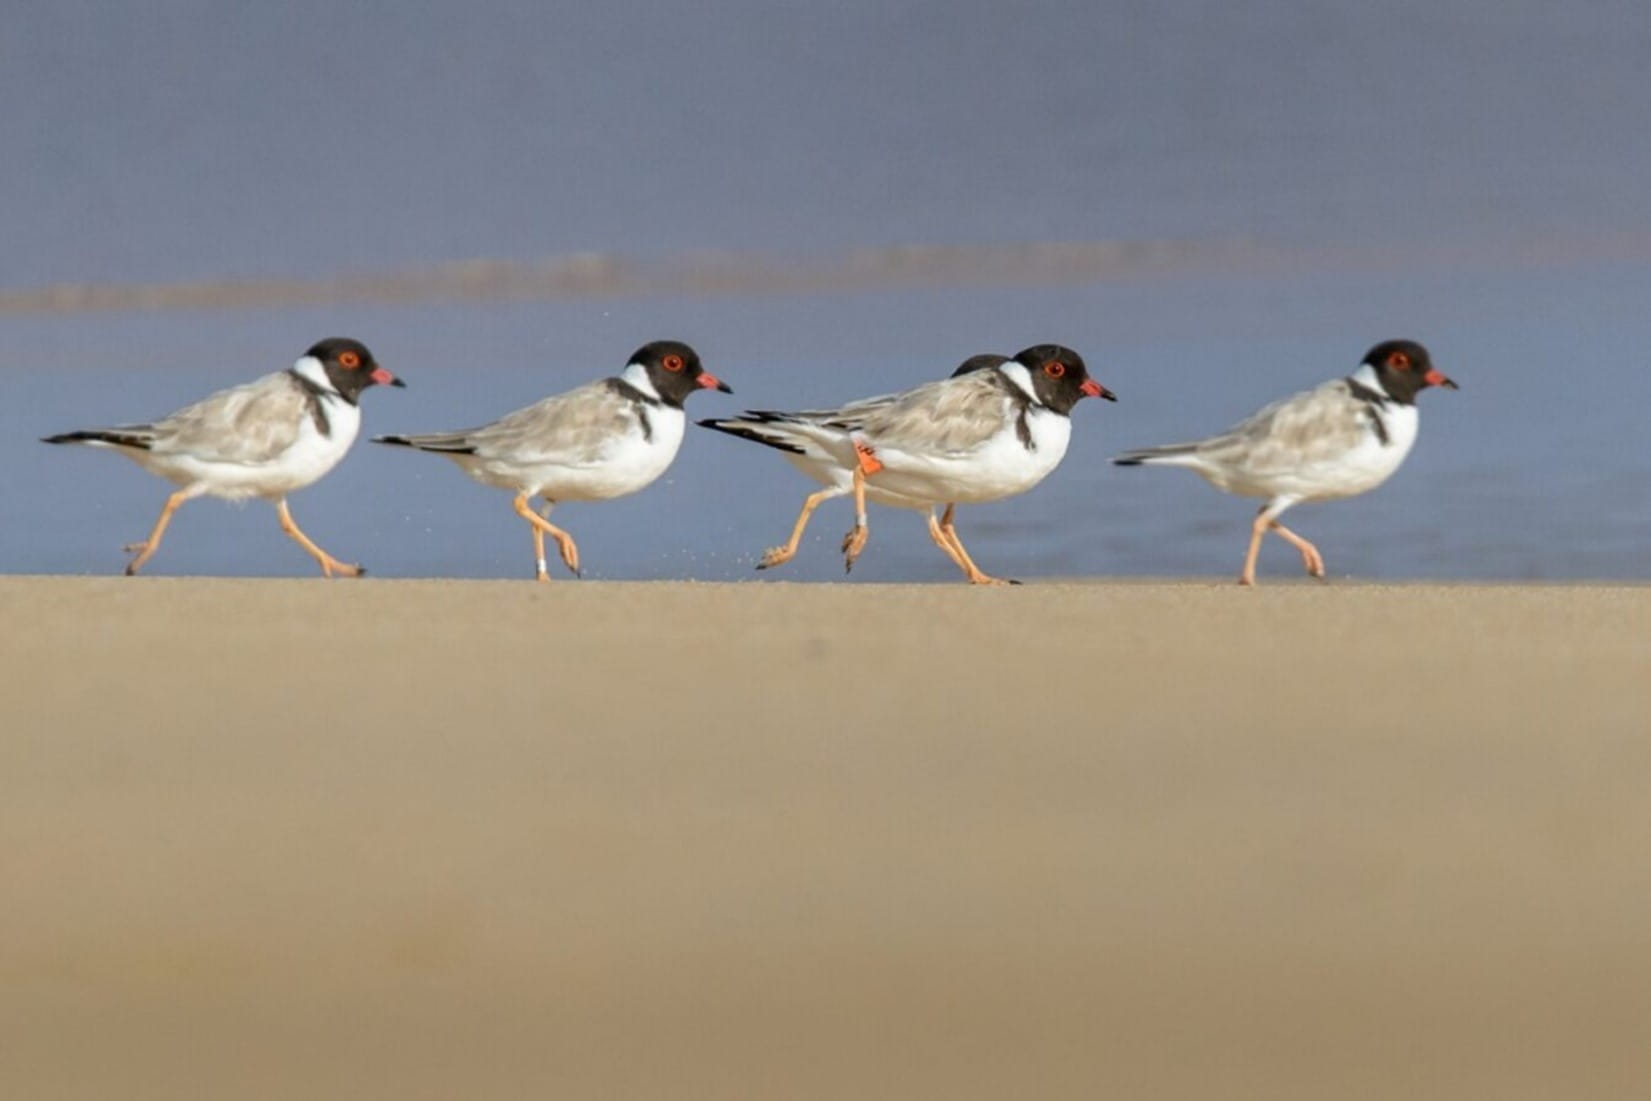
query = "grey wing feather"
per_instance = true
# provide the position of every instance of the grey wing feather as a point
(577, 428)
(851, 414)
(252, 423)
(953, 415)
(848, 417)
(1313, 426)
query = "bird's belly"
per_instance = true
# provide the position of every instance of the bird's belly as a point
(1002, 467)
(834, 476)
(603, 481)
(309, 459)
(1362, 470)
(820, 470)
(1353, 472)
(630, 465)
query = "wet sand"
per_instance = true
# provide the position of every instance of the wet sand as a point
(470, 839)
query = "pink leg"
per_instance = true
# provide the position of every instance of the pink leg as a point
(542, 528)
(855, 541)
(329, 564)
(146, 549)
(1310, 556)
(976, 575)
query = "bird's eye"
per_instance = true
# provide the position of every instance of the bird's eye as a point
(1398, 361)
(673, 363)
(1054, 368)
(349, 360)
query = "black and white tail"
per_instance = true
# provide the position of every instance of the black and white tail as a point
(776, 430)
(447, 443)
(139, 436)
(1174, 454)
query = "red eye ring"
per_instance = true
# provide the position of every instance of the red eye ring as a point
(349, 360)
(1398, 361)
(1054, 368)
(672, 363)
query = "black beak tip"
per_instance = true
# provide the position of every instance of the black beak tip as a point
(398, 384)
(725, 388)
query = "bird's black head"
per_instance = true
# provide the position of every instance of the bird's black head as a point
(1405, 369)
(1059, 378)
(350, 367)
(979, 363)
(675, 371)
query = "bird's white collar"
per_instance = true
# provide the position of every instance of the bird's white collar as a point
(1366, 377)
(636, 375)
(310, 370)
(1017, 373)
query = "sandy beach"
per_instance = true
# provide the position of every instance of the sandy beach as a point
(412, 839)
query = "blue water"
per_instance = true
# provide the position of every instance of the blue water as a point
(1470, 175)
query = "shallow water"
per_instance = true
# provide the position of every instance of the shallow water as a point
(1320, 176)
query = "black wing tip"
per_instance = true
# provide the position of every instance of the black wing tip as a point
(98, 435)
(1129, 460)
(740, 429)
(414, 443)
(758, 416)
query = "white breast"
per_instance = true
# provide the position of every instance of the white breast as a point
(1001, 467)
(310, 456)
(1344, 473)
(1372, 462)
(314, 454)
(633, 463)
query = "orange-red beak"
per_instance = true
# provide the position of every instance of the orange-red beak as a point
(712, 382)
(385, 378)
(1435, 377)
(1093, 389)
